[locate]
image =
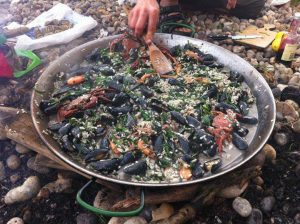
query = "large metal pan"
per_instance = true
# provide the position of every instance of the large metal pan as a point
(259, 87)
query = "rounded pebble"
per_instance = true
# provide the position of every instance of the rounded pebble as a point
(86, 218)
(2, 171)
(27, 216)
(21, 149)
(14, 178)
(242, 206)
(276, 92)
(281, 139)
(136, 220)
(258, 181)
(13, 162)
(296, 126)
(15, 220)
(256, 217)
(118, 220)
(267, 204)
(40, 169)
(270, 152)
(232, 191)
(297, 218)
(297, 170)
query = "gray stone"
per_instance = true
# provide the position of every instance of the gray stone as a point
(15, 220)
(297, 170)
(238, 49)
(2, 171)
(86, 218)
(14, 178)
(250, 54)
(21, 149)
(256, 217)
(136, 220)
(27, 216)
(296, 126)
(281, 139)
(276, 92)
(242, 206)
(40, 169)
(267, 204)
(297, 218)
(294, 81)
(232, 191)
(118, 220)
(13, 162)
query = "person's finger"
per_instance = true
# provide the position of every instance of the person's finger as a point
(152, 23)
(132, 19)
(141, 23)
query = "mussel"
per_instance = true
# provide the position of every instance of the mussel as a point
(75, 131)
(241, 131)
(198, 171)
(158, 144)
(178, 117)
(146, 91)
(106, 70)
(193, 122)
(225, 106)
(130, 121)
(239, 142)
(108, 165)
(66, 143)
(129, 157)
(96, 154)
(174, 82)
(243, 107)
(213, 165)
(211, 150)
(54, 125)
(211, 92)
(115, 85)
(48, 108)
(201, 136)
(136, 168)
(115, 111)
(247, 119)
(100, 131)
(184, 144)
(235, 76)
(65, 129)
(120, 99)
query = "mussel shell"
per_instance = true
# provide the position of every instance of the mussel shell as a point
(193, 122)
(96, 154)
(115, 111)
(100, 131)
(184, 144)
(208, 57)
(137, 168)
(81, 149)
(243, 108)
(119, 99)
(67, 144)
(108, 165)
(152, 80)
(178, 117)
(65, 129)
(48, 108)
(115, 85)
(213, 165)
(211, 150)
(107, 71)
(239, 142)
(158, 144)
(130, 122)
(187, 158)
(54, 125)
(129, 157)
(247, 119)
(208, 62)
(141, 102)
(103, 144)
(106, 118)
(75, 131)
(146, 91)
(225, 106)
(174, 82)
(211, 92)
(203, 137)
(198, 171)
(216, 65)
(241, 131)
(235, 76)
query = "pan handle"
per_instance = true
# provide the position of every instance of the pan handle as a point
(105, 212)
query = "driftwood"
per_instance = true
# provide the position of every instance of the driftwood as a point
(18, 127)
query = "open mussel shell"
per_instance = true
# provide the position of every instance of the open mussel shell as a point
(241, 131)
(108, 165)
(129, 157)
(225, 106)
(193, 122)
(184, 144)
(119, 99)
(147, 92)
(213, 165)
(247, 119)
(96, 154)
(211, 150)
(67, 144)
(48, 108)
(158, 144)
(136, 168)
(239, 142)
(65, 129)
(178, 117)
(244, 108)
(116, 111)
(236, 77)
(198, 170)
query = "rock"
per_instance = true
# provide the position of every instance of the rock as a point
(282, 86)
(276, 92)
(287, 110)
(26, 191)
(297, 218)
(136, 220)
(118, 220)
(296, 126)
(250, 54)
(270, 152)
(15, 220)
(14, 178)
(86, 218)
(40, 169)
(2, 171)
(2, 134)
(147, 213)
(258, 181)
(238, 49)
(232, 191)
(267, 204)
(293, 104)
(242, 206)
(297, 170)
(281, 139)
(254, 62)
(256, 217)
(294, 81)
(163, 212)
(291, 93)
(13, 162)
(27, 216)
(22, 149)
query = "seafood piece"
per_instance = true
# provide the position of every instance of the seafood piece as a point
(75, 80)
(116, 111)
(81, 149)
(158, 106)
(146, 150)
(144, 77)
(112, 84)
(136, 168)
(75, 131)
(213, 165)
(198, 171)
(201, 136)
(185, 172)
(141, 102)
(208, 57)
(186, 158)
(108, 165)
(193, 122)
(208, 62)
(61, 91)
(243, 108)
(178, 117)
(211, 150)
(96, 154)
(131, 122)
(48, 108)
(106, 70)
(184, 144)
(174, 82)
(239, 142)
(211, 92)
(100, 131)
(54, 125)
(66, 143)
(146, 91)
(158, 144)
(236, 77)
(114, 148)
(241, 131)
(130, 157)
(64, 130)
(247, 119)
(223, 107)
(216, 65)
(193, 55)
(120, 99)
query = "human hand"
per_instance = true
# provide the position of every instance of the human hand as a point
(231, 4)
(145, 14)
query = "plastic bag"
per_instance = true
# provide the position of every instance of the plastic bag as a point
(60, 11)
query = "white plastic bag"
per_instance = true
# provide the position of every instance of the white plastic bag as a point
(60, 11)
